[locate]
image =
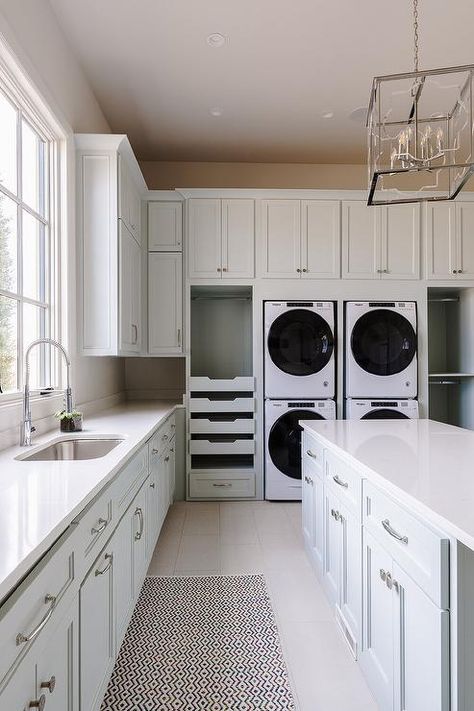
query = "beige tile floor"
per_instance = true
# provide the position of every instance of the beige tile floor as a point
(262, 537)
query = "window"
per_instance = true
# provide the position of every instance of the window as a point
(27, 157)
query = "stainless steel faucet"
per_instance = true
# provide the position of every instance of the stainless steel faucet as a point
(27, 427)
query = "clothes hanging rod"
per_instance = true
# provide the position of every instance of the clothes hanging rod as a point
(444, 382)
(221, 298)
(447, 300)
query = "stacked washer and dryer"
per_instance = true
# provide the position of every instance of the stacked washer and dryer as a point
(300, 379)
(381, 360)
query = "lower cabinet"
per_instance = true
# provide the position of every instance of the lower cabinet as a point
(313, 518)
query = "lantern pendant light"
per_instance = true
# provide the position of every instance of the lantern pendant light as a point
(420, 133)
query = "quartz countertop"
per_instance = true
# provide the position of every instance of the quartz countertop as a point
(39, 499)
(426, 465)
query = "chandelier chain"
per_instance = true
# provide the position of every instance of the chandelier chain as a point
(415, 34)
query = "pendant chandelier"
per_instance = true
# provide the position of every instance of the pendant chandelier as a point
(420, 133)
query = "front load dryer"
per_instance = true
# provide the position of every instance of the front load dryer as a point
(283, 443)
(381, 349)
(299, 349)
(382, 410)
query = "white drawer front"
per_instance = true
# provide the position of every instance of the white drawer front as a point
(239, 404)
(130, 479)
(344, 481)
(204, 425)
(236, 446)
(96, 523)
(220, 485)
(244, 384)
(421, 551)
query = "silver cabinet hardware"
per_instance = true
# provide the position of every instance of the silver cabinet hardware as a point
(179, 337)
(50, 685)
(139, 513)
(459, 271)
(110, 558)
(339, 481)
(308, 480)
(304, 270)
(164, 438)
(173, 426)
(23, 637)
(152, 485)
(299, 271)
(336, 515)
(379, 271)
(155, 451)
(385, 271)
(171, 449)
(383, 574)
(167, 459)
(99, 527)
(224, 269)
(455, 271)
(218, 269)
(135, 334)
(392, 583)
(393, 532)
(39, 703)
(222, 485)
(311, 454)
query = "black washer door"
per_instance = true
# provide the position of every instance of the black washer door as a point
(385, 414)
(284, 441)
(383, 342)
(300, 342)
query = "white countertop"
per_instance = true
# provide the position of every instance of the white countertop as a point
(38, 500)
(426, 465)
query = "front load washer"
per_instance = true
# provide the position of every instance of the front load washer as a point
(382, 410)
(283, 443)
(381, 346)
(299, 349)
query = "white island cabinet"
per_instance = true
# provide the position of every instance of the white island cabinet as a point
(396, 557)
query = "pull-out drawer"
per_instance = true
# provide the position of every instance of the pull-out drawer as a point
(130, 479)
(219, 484)
(96, 523)
(36, 603)
(238, 404)
(203, 384)
(223, 424)
(419, 549)
(222, 446)
(344, 480)
(164, 435)
(312, 453)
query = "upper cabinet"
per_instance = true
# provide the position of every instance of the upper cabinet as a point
(380, 242)
(450, 240)
(109, 191)
(300, 239)
(165, 226)
(165, 311)
(221, 238)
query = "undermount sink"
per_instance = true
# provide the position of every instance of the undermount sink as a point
(73, 449)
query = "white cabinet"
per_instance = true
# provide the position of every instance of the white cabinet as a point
(165, 308)
(140, 560)
(170, 461)
(221, 237)
(313, 518)
(165, 226)
(380, 242)
(449, 240)
(109, 187)
(124, 586)
(332, 547)
(300, 239)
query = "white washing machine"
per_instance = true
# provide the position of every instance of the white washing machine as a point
(299, 349)
(283, 443)
(382, 410)
(381, 349)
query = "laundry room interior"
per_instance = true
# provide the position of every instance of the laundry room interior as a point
(236, 355)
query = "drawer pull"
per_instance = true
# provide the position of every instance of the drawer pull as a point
(23, 637)
(393, 532)
(139, 513)
(101, 526)
(336, 515)
(222, 485)
(167, 459)
(50, 685)
(152, 485)
(110, 558)
(164, 438)
(39, 704)
(383, 575)
(340, 482)
(311, 454)
(155, 451)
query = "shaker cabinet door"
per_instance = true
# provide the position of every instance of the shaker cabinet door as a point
(165, 309)
(204, 239)
(441, 250)
(361, 242)
(165, 226)
(401, 242)
(238, 239)
(320, 239)
(280, 241)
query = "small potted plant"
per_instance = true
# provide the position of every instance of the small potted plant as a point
(69, 421)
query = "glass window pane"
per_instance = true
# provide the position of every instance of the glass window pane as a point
(8, 128)
(34, 326)
(34, 258)
(32, 168)
(8, 345)
(8, 244)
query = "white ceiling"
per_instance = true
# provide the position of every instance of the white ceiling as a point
(285, 64)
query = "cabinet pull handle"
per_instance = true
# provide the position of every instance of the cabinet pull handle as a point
(336, 515)
(152, 485)
(164, 437)
(50, 685)
(39, 703)
(179, 337)
(385, 271)
(101, 526)
(23, 637)
(224, 269)
(167, 459)
(379, 271)
(222, 485)
(155, 451)
(110, 558)
(392, 583)
(139, 513)
(135, 336)
(383, 574)
(311, 454)
(339, 481)
(393, 532)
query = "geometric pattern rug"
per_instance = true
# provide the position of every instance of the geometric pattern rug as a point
(201, 644)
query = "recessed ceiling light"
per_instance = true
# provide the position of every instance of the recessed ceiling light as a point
(328, 115)
(216, 40)
(359, 115)
(215, 111)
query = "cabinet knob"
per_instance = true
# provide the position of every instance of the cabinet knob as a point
(385, 271)
(218, 269)
(50, 685)
(224, 269)
(298, 270)
(459, 271)
(379, 271)
(305, 270)
(39, 703)
(455, 271)
(152, 485)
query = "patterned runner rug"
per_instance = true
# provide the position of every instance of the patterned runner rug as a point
(201, 644)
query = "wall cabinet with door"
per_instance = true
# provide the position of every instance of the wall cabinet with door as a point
(300, 239)
(221, 238)
(380, 242)
(109, 191)
(449, 231)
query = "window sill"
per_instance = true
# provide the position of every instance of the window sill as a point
(15, 399)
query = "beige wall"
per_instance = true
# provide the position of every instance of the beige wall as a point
(169, 175)
(148, 378)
